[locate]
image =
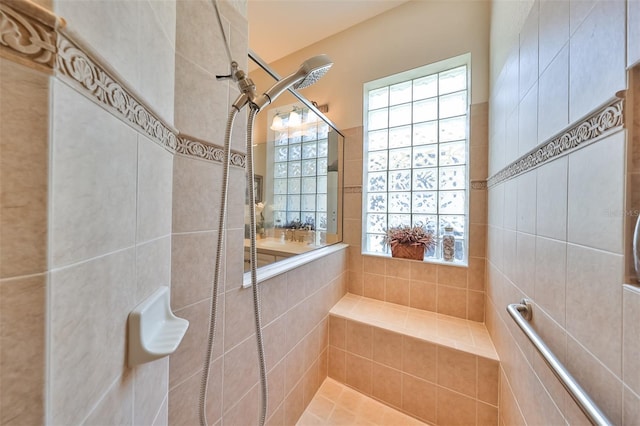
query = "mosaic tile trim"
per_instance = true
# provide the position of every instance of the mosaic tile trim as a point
(26, 40)
(604, 122)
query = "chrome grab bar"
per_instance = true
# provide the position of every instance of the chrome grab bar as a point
(522, 313)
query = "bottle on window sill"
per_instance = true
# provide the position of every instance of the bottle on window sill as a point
(448, 244)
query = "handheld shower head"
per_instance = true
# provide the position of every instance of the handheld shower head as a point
(309, 72)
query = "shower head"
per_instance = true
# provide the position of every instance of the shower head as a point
(309, 72)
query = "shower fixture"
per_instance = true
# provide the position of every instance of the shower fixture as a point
(309, 72)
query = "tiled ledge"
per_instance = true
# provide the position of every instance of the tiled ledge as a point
(443, 330)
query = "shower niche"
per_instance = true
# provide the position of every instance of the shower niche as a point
(298, 163)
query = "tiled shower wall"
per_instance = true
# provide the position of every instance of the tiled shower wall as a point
(109, 220)
(295, 305)
(451, 290)
(123, 216)
(556, 232)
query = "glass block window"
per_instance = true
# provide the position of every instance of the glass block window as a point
(300, 169)
(415, 155)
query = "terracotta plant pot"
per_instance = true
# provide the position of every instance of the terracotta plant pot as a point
(407, 251)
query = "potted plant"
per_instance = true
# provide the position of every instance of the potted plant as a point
(409, 242)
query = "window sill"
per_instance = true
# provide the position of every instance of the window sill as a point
(458, 263)
(266, 272)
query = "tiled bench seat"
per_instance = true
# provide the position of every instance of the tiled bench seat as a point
(439, 369)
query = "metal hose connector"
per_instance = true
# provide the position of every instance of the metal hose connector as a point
(253, 111)
(204, 386)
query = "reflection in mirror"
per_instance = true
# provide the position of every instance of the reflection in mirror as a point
(298, 166)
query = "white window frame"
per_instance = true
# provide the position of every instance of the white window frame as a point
(430, 69)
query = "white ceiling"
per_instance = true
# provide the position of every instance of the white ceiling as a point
(280, 27)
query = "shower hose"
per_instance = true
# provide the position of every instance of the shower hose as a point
(218, 266)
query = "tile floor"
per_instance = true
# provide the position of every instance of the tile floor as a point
(338, 405)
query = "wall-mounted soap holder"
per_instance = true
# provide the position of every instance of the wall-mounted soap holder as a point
(154, 332)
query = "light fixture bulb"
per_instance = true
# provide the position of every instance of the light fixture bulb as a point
(294, 119)
(277, 123)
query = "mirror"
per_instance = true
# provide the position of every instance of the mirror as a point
(298, 163)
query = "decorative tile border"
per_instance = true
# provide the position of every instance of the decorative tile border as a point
(26, 39)
(35, 37)
(605, 121)
(355, 189)
(478, 184)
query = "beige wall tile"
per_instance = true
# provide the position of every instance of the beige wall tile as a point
(153, 267)
(553, 94)
(359, 373)
(525, 262)
(478, 206)
(476, 273)
(241, 372)
(94, 21)
(488, 381)
(550, 277)
(387, 384)
(151, 385)
(419, 358)
(551, 210)
(596, 380)
(157, 53)
(337, 332)
(455, 409)
(452, 276)
(374, 286)
(353, 172)
(337, 364)
(397, 290)
(274, 298)
(22, 349)
(475, 305)
(528, 69)
(477, 239)
(510, 207)
(398, 268)
(116, 406)
(487, 414)
(352, 143)
(197, 100)
(527, 201)
(352, 207)
(528, 120)
(419, 398)
(162, 418)
(93, 191)
(359, 339)
(457, 370)
(596, 195)
(293, 405)
(423, 295)
(23, 170)
(155, 177)
(239, 316)
(192, 266)
(387, 348)
(184, 398)
(247, 409)
(631, 407)
(452, 301)
(88, 321)
(188, 358)
(633, 28)
(597, 58)
(193, 209)
(421, 271)
(553, 30)
(274, 341)
(593, 286)
(630, 341)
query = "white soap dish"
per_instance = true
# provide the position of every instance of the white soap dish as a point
(154, 332)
